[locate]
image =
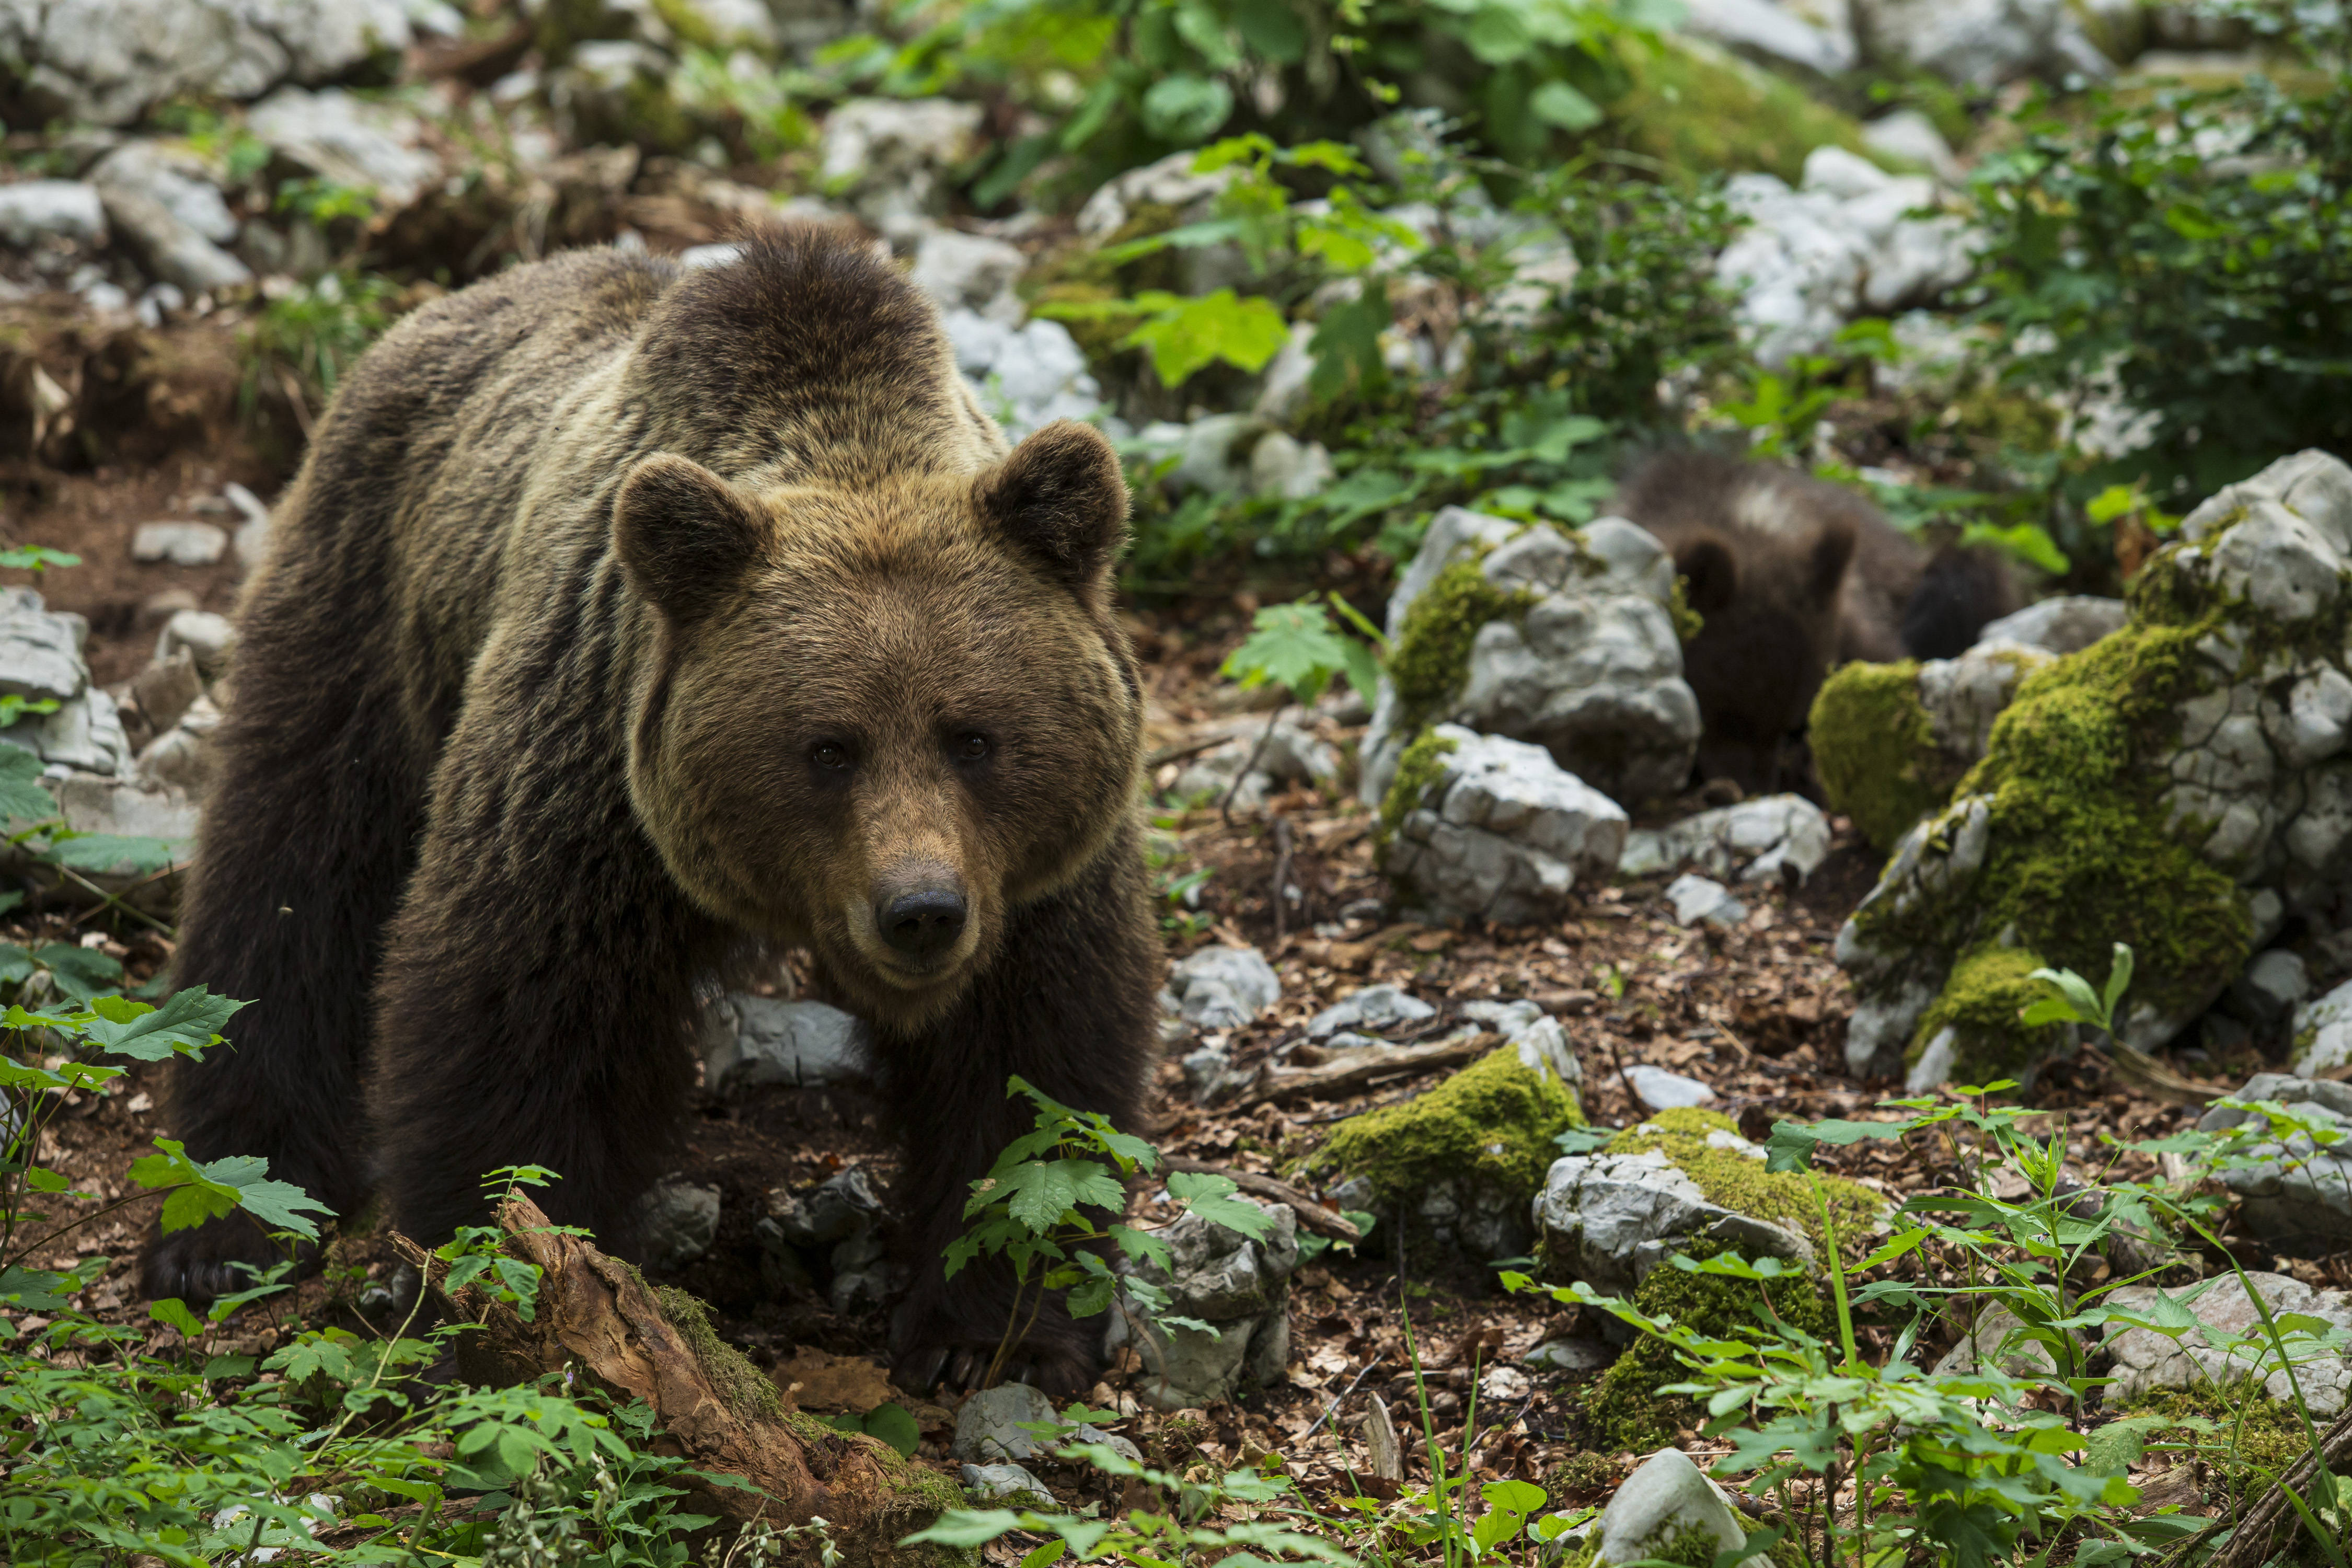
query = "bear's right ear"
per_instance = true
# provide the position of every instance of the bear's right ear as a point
(683, 535)
(1062, 498)
(1712, 571)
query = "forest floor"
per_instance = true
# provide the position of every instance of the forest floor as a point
(1757, 1012)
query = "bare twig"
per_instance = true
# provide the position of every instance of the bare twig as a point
(1225, 806)
(1312, 1216)
(1335, 1405)
(1281, 876)
(1348, 1068)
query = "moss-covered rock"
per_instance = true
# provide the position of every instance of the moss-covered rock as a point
(2178, 786)
(1693, 106)
(1625, 1408)
(1705, 1146)
(1872, 745)
(1561, 638)
(1891, 741)
(1472, 1150)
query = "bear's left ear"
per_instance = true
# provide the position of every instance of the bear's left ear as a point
(683, 535)
(1061, 497)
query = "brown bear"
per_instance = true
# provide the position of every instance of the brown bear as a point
(626, 625)
(1789, 575)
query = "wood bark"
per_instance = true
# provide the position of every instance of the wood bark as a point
(1312, 1216)
(596, 1318)
(1351, 1069)
(2272, 1523)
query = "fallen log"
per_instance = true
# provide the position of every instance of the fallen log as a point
(1312, 1216)
(596, 1316)
(1352, 1069)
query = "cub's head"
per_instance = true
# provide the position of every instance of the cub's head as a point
(1769, 608)
(879, 720)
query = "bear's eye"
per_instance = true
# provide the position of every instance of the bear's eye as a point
(969, 747)
(830, 755)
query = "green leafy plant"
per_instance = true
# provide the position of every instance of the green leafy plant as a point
(2185, 252)
(1031, 1211)
(1296, 647)
(311, 334)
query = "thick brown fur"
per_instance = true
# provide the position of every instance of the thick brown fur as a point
(625, 624)
(1791, 575)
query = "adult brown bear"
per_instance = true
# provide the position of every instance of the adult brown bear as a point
(627, 623)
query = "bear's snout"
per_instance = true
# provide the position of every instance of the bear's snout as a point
(921, 921)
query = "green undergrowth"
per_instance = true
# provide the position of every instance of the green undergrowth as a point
(2236, 1428)
(1875, 750)
(1493, 1125)
(1625, 1408)
(1740, 1182)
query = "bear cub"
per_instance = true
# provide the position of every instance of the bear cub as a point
(1791, 575)
(625, 625)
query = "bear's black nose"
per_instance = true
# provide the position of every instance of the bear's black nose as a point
(922, 922)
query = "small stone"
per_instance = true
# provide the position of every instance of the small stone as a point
(970, 271)
(1502, 833)
(1239, 1287)
(163, 605)
(2066, 624)
(1005, 1484)
(1909, 134)
(1111, 1440)
(2323, 1033)
(40, 651)
(1223, 987)
(1569, 1355)
(180, 543)
(1612, 1218)
(758, 1040)
(65, 211)
(680, 1223)
(1504, 1384)
(842, 1206)
(989, 1428)
(1776, 837)
(1663, 1090)
(1665, 1500)
(1373, 1008)
(206, 637)
(1697, 899)
(333, 135)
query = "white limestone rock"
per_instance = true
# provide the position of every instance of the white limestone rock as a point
(1591, 670)
(1502, 833)
(1773, 838)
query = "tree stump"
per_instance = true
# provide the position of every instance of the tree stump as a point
(597, 1315)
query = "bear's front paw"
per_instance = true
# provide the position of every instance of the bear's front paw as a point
(200, 1265)
(933, 1342)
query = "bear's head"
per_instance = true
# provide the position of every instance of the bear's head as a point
(1768, 620)
(879, 720)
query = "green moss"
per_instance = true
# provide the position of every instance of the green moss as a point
(1624, 1407)
(1740, 1182)
(748, 1392)
(2080, 854)
(1876, 751)
(2252, 1434)
(1981, 1003)
(1417, 770)
(1493, 1125)
(1688, 622)
(1431, 657)
(1698, 108)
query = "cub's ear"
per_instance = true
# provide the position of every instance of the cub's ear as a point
(683, 535)
(1833, 553)
(1712, 570)
(1062, 498)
